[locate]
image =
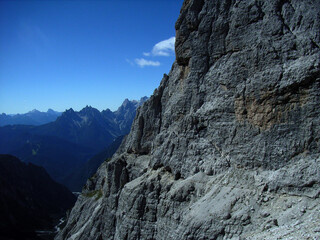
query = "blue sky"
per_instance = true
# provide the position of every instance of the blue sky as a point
(63, 54)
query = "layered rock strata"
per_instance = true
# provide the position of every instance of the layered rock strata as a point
(228, 145)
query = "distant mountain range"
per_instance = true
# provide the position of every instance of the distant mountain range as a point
(64, 145)
(33, 117)
(29, 199)
(90, 127)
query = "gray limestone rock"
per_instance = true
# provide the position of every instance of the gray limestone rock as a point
(228, 145)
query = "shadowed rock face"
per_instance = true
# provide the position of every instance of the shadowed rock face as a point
(228, 145)
(30, 201)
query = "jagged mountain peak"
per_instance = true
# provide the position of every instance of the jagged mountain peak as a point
(51, 111)
(69, 113)
(106, 111)
(143, 99)
(89, 123)
(126, 101)
(34, 111)
(88, 110)
(132, 103)
(88, 107)
(70, 110)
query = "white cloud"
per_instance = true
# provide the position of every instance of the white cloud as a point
(143, 62)
(164, 48)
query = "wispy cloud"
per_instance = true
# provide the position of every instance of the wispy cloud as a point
(129, 61)
(164, 48)
(143, 62)
(32, 33)
(33, 37)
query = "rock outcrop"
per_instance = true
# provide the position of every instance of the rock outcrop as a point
(228, 145)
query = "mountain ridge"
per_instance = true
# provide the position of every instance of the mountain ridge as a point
(78, 126)
(33, 117)
(78, 178)
(65, 144)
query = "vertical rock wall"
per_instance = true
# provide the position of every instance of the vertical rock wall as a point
(228, 145)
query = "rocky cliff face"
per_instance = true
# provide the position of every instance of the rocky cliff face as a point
(228, 145)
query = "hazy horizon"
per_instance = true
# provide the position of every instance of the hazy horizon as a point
(75, 109)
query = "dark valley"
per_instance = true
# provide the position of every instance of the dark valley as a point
(30, 201)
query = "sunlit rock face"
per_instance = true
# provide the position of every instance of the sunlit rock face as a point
(228, 145)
